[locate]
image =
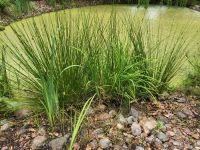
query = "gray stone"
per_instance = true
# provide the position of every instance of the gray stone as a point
(198, 143)
(150, 138)
(58, 143)
(163, 119)
(139, 148)
(122, 120)
(157, 140)
(165, 145)
(149, 124)
(38, 142)
(163, 137)
(181, 115)
(112, 113)
(104, 143)
(6, 126)
(182, 100)
(98, 131)
(136, 129)
(187, 112)
(177, 143)
(136, 114)
(130, 120)
(90, 111)
(120, 126)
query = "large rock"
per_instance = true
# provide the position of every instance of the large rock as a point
(58, 143)
(104, 143)
(136, 129)
(38, 142)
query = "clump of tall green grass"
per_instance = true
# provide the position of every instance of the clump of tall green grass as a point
(73, 57)
(22, 6)
(193, 79)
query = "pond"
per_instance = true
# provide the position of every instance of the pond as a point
(164, 17)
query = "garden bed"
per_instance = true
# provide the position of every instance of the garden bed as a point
(172, 123)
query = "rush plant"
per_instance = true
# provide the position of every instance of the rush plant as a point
(69, 57)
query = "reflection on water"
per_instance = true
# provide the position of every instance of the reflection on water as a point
(154, 12)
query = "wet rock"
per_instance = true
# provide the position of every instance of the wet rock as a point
(6, 126)
(38, 142)
(22, 113)
(104, 143)
(58, 143)
(139, 148)
(120, 126)
(112, 113)
(148, 124)
(181, 115)
(122, 120)
(163, 137)
(136, 129)
(182, 100)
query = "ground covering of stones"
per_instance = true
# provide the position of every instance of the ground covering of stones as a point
(173, 123)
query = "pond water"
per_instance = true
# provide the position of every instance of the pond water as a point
(157, 15)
